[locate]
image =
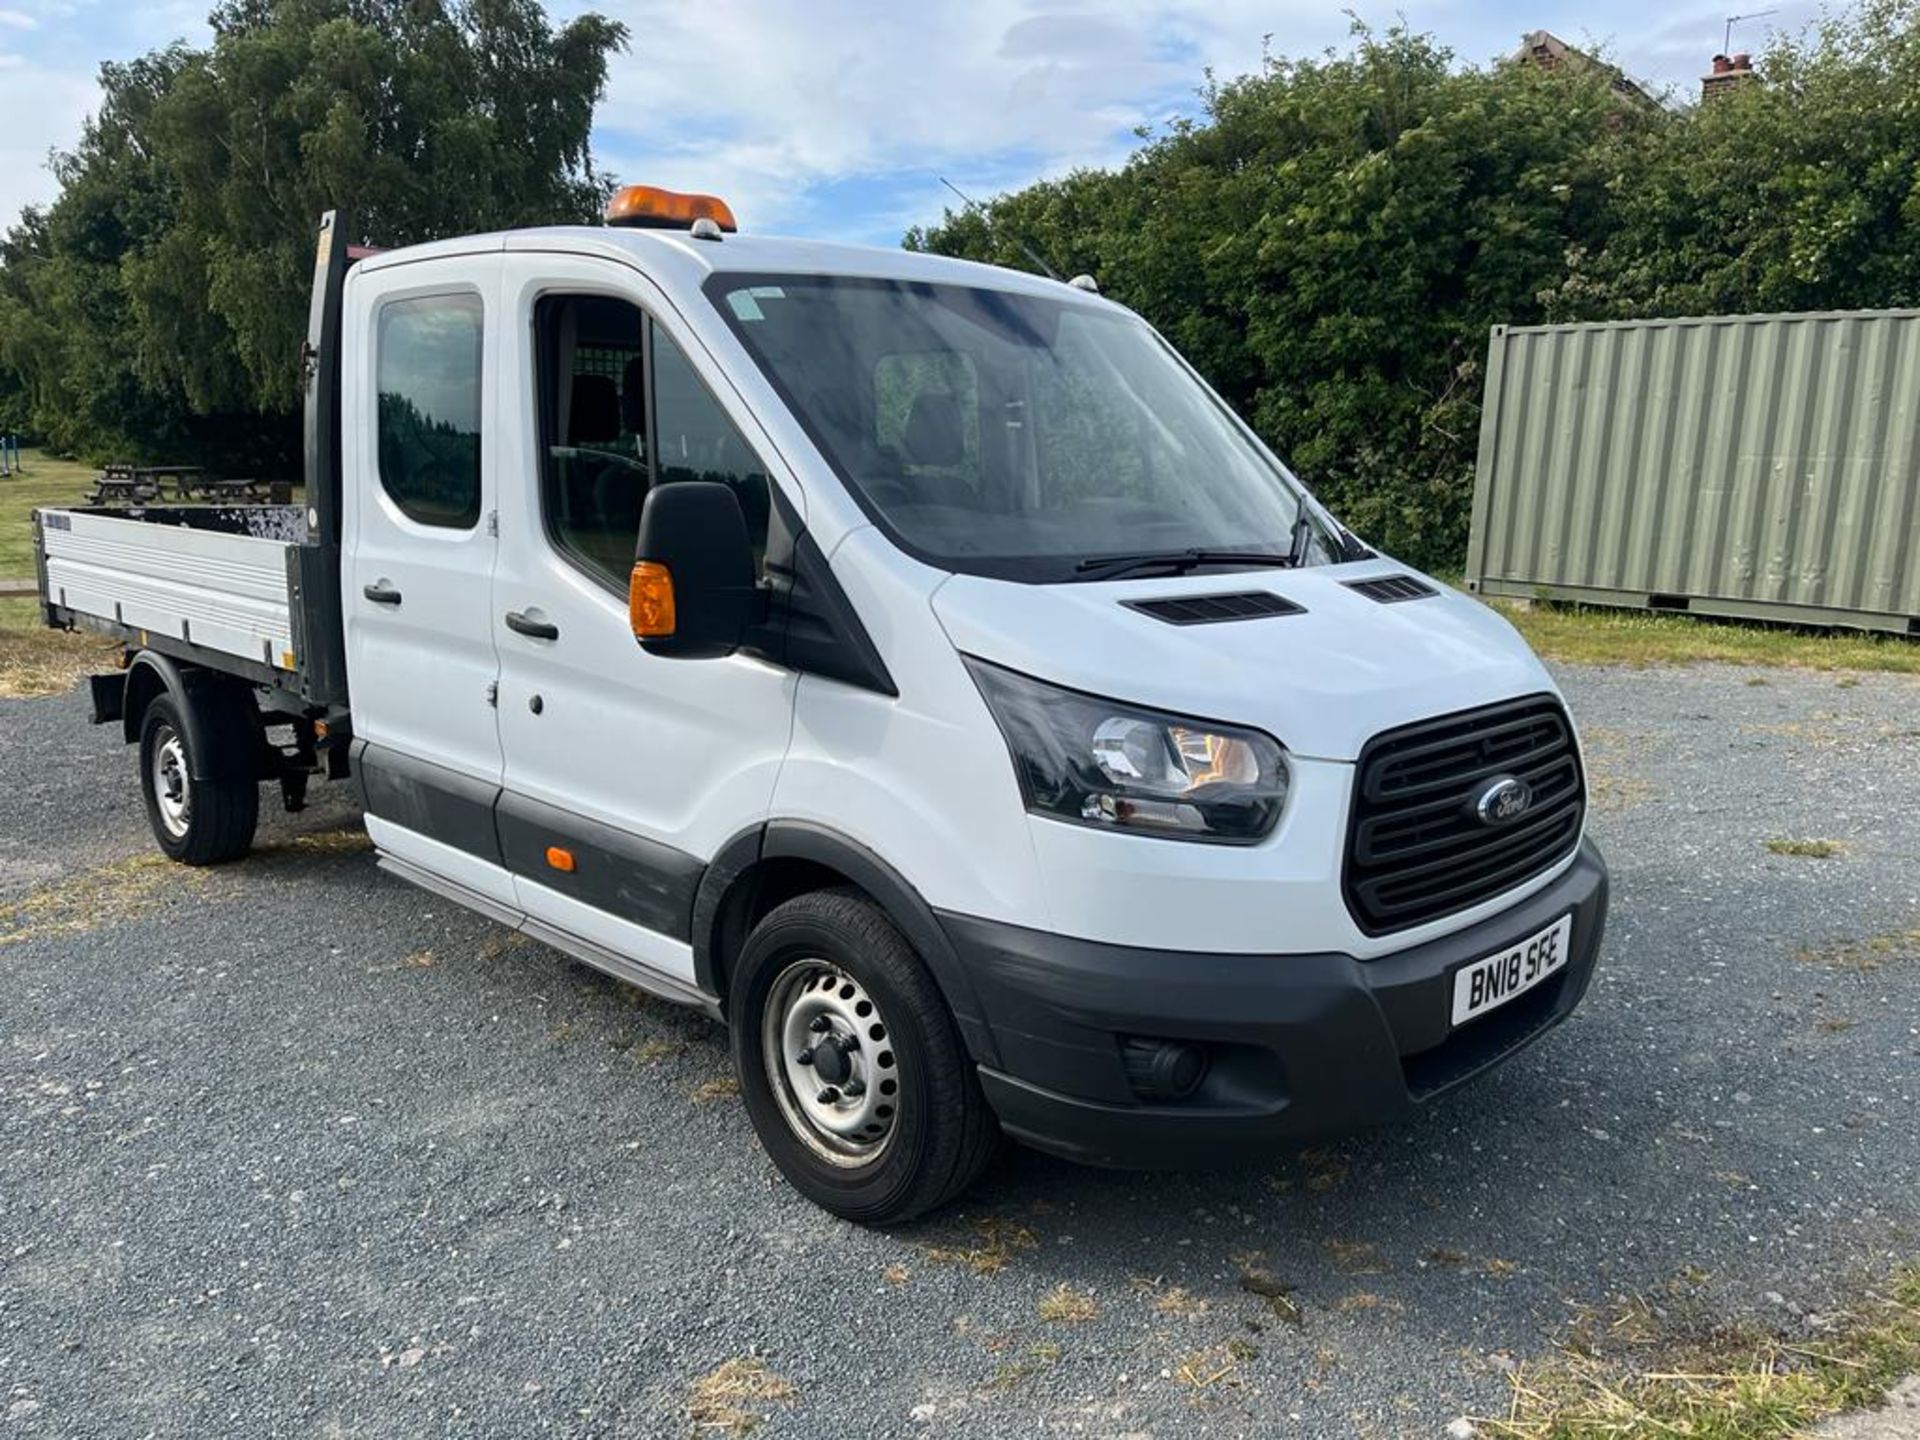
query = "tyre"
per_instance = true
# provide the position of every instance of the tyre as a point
(198, 822)
(852, 1069)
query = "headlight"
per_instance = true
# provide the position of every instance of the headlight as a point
(1120, 767)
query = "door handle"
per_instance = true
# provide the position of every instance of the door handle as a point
(521, 623)
(381, 592)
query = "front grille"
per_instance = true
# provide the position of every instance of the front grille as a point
(1215, 609)
(1417, 850)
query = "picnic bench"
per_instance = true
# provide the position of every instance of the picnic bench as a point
(122, 482)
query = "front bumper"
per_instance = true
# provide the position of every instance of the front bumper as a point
(1301, 1047)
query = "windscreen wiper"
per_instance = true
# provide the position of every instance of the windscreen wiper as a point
(1177, 562)
(1301, 540)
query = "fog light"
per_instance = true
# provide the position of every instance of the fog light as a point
(1163, 1069)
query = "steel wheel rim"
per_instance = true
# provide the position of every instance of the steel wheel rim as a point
(172, 789)
(830, 1062)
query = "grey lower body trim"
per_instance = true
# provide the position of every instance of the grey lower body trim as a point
(428, 799)
(638, 880)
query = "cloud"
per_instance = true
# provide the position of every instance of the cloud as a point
(769, 102)
(840, 117)
(781, 107)
(43, 111)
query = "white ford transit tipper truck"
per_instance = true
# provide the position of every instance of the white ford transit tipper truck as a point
(909, 662)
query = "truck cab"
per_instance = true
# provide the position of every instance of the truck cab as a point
(913, 664)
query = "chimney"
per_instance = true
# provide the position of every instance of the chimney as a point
(1729, 73)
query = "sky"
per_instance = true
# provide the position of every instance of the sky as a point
(839, 118)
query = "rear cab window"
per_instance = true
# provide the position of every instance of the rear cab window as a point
(428, 383)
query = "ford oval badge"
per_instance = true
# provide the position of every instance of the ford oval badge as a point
(1503, 801)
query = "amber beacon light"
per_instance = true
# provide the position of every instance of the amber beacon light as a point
(648, 207)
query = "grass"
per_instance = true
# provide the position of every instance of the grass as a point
(74, 904)
(733, 1399)
(46, 482)
(1171, 1300)
(36, 661)
(1863, 957)
(1806, 849)
(1732, 1383)
(997, 1241)
(1064, 1305)
(1586, 635)
(1216, 1365)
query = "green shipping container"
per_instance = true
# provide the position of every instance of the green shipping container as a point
(1759, 466)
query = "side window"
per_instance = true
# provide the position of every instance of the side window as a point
(427, 375)
(926, 414)
(621, 411)
(593, 403)
(698, 442)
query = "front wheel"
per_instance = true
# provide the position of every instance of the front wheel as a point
(853, 1072)
(197, 821)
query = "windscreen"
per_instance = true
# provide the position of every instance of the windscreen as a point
(1011, 434)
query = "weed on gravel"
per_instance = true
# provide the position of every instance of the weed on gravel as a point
(996, 1241)
(1806, 849)
(120, 890)
(1724, 1383)
(1064, 1305)
(1215, 1366)
(1172, 1300)
(1876, 952)
(736, 1398)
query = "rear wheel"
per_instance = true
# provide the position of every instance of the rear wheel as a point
(197, 821)
(854, 1074)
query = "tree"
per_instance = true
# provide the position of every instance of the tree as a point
(1332, 238)
(1330, 242)
(1800, 192)
(160, 302)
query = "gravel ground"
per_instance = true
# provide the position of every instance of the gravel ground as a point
(293, 1149)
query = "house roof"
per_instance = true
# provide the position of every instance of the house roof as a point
(1548, 51)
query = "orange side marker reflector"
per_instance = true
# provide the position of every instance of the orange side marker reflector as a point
(286, 660)
(560, 859)
(650, 600)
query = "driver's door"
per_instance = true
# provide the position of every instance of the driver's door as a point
(625, 772)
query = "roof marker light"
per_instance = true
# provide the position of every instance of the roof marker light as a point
(647, 207)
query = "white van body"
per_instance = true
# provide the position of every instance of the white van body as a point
(500, 708)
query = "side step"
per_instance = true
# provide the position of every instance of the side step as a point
(634, 973)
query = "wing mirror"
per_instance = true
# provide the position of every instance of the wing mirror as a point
(693, 595)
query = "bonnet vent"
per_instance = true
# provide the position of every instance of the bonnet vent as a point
(1390, 589)
(1215, 609)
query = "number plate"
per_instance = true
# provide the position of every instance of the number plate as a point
(1488, 984)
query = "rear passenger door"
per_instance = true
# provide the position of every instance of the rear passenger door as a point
(418, 421)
